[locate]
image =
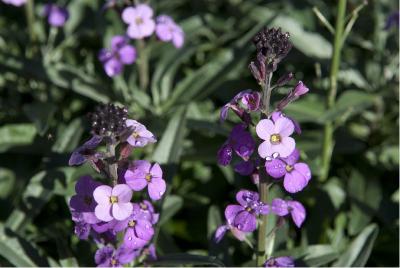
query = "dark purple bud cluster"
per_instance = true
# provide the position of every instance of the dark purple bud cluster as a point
(108, 120)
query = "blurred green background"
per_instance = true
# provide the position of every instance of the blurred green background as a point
(46, 90)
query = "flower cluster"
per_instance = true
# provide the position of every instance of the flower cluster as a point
(141, 24)
(105, 211)
(277, 158)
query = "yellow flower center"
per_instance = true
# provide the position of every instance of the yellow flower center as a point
(113, 262)
(148, 177)
(275, 138)
(113, 199)
(135, 134)
(132, 223)
(248, 209)
(289, 168)
(143, 206)
(138, 20)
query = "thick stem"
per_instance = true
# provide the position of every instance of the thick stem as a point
(143, 65)
(328, 142)
(112, 165)
(30, 20)
(263, 183)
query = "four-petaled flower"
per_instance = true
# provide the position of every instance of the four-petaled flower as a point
(113, 203)
(140, 136)
(276, 137)
(120, 54)
(140, 21)
(296, 175)
(142, 174)
(109, 257)
(168, 31)
(282, 208)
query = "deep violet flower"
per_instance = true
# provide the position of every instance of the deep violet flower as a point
(296, 175)
(245, 168)
(113, 203)
(138, 230)
(392, 20)
(14, 2)
(140, 21)
(120, 54)
(140, 136)
(249, 99)
(168, 31)
(240, 141)
(56, 16)
(85, 152)
(82, 228)
(109, 257)
(282, 208)
(276, 137)
(142, 174)
(284, 261)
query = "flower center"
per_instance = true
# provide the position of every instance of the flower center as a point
(113, 262)
(148, 177)
(275, 139)
(289, 168)
(135, 134)
(113, 199)
(132, 223)
(143, 206)
(88, 200)
(249, 209)
(139, 20)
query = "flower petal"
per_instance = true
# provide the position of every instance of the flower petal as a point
(219, 233)
(136, 184)
(121, 211)
(231, 211)
(244, 197)
(284, 126)
(123, 192)
(297, 212)
(132, 241)
(293, 157)
(245, 222)
(156, 171)
(144, 10)
(156, 188)
(265, 128)
(265, 149)
(127, 54)
(129, 15)
(294, 181)
(276, 168)
(279, 207)
(286, 146)
(304, 170)
(103, 212)
(144, 230)
(102, 194)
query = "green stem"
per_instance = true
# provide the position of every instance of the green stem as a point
(112, 167)
(263, 183)
(143, 65)
(328, 142)
(30, 19)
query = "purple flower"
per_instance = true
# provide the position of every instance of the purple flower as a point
(85, 152)
(294, 94)
(109, 257)
(140, 21)
(392, 20)
(282, 208)
(120, 54)
(220, 232)
(142, 174)
(249, 99)
(83, 201)
(14, 2)
(276, 137)
(113, 203)
(148, 212)
(56, 16)
(138, 229)
(167, 30)
(239, 141)
(243, 216)
(277, 114)
(140, 135)
(82, 228)
(296, 175)
(284, 261)
(244, 168)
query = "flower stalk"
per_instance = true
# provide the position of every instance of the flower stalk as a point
(143, 65)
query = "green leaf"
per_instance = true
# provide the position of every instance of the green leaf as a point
(171, 205)
(16, 135)
(40, 114)
(319, 255)
(184, 259)
(307, 109)
(68, 136)
(358, 252)
(213, 220)
(19, 251)
(334, 188)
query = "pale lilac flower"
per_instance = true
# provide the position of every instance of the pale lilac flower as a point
(120, 54)
(138, 230)
(282, 208)
(83, 201)
(14, 2)
(168, 31)
(284, 261)
(140, 21)
(142, 174)
(109, 257)
(113, 203)
(243, 216)
(56, 16)
(276, 137)
(140, 135)
(296, 175)
(85, 152)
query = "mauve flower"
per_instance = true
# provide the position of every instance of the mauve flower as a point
(243, 216)
(282, 208)
(276, 137)
(299, 90)
(56, 16)
(147, 211)
(83, 201)
(284, 261)
(277, 114)
(296, 175)
(120, 54)
(140, 135)
(113, 203)
(140, 21)
(85, 152)
(82, 228)
(14, 2)
(249, 99)
(239, 141)
(220, 232)
(142, 174)
(168, 31)
(138, 230)
(109, 257)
